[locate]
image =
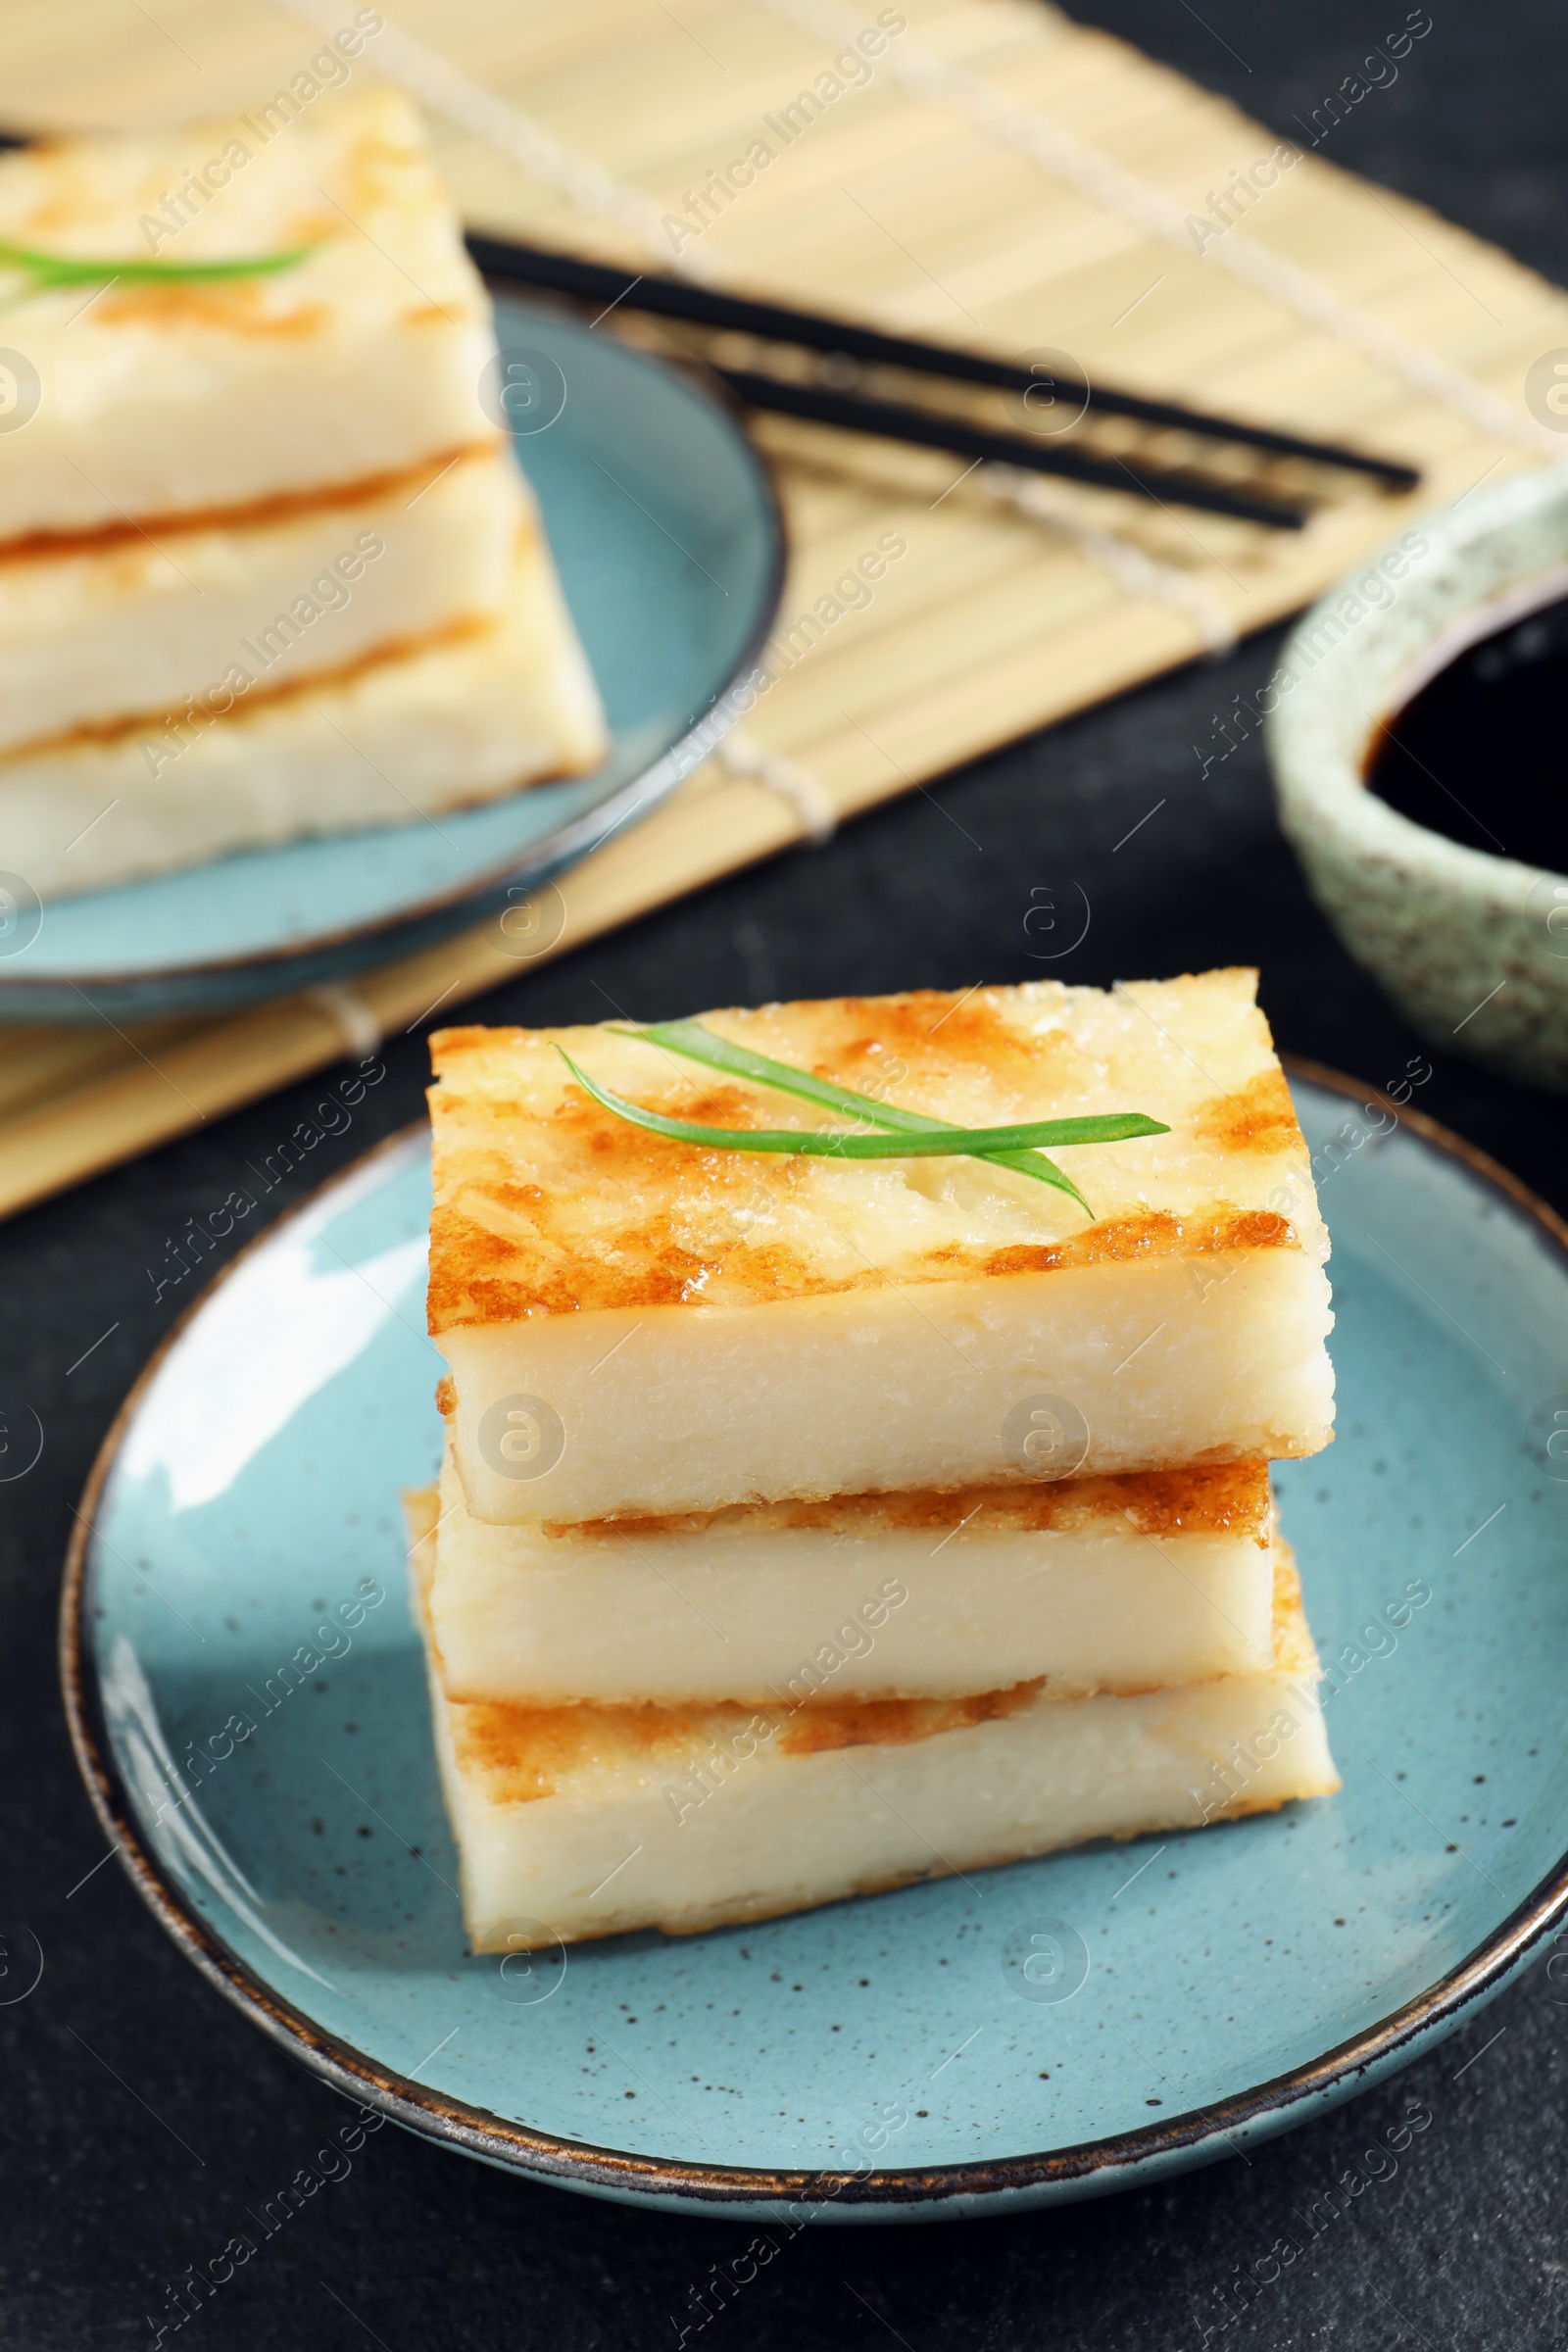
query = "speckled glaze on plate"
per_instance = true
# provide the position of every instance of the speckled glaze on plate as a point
(670, 550)
(885, 2058)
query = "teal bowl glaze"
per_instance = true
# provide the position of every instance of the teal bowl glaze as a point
(669, 542)
(880, 2059)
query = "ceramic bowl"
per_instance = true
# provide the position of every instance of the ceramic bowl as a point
(1472, 948)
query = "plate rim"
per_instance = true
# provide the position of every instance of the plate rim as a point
(1085, 2168)
(638, 797)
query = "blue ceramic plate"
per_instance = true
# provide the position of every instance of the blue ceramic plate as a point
(886, 2057)
(669, 542)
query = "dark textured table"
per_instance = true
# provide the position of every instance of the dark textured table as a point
(141, 2115)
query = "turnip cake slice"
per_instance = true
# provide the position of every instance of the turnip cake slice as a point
(96, 634)
(465, 713)
(1125, 1583)
(577, 1822)
(646, 1326)
(154, 399)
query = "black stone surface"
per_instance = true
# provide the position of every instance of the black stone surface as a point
(140, 2116)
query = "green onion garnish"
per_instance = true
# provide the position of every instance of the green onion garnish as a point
(903, 1134)
(700, 1045)
(67, 270)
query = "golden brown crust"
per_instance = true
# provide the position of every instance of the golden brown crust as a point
(1154, 1234)
(897, 1722)
(480, 1276)
(1259, 1117)
(1220, 1498)
(888, 1028)
(236, 307)
(281, 505)
(422, 1508)
(1295, 1651)
(521, 1754)
(547, 1204)
(524, 1753)
(261, 698)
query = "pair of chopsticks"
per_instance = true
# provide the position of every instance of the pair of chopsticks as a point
(832, 404)
(851, 410)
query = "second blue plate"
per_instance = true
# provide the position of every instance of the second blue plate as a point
(668, 539)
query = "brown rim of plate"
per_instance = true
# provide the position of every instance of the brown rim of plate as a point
(636, 798)
(1102, 2164)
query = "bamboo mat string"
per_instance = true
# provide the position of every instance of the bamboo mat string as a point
(597, 192)
(542, 156)
(1135, 573)
(983, 627)
(443, 86)
(1109, 183)
(809, 796)
(356, 1024)
(594, 190)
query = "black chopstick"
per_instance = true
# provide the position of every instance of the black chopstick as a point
(931, 430)
(675, 298)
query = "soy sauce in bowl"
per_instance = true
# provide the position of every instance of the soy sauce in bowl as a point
(1478, 753)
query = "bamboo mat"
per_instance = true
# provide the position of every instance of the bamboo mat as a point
(921, 200)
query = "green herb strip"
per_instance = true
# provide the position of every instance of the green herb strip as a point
(65, 270)
(700, 1045)
(913, 1137)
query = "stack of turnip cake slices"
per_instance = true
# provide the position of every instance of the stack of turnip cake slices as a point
(812, 1523)
(269, 568)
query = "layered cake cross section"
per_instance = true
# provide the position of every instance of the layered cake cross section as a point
(582, 1822)
(164, 397)
(684, 1328)
(123, 634)
(1085, 1584)
(813, 1521)
(458, 717)
(268, 567)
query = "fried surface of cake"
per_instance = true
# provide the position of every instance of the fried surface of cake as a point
(164, 400)
(705, 1327)
(459, 716)
(124, 630)
(1096, 1583)
(582, 1821)
(268, 566)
